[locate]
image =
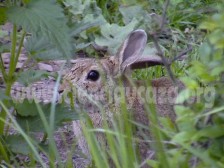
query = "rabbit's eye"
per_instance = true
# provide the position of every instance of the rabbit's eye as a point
(93, 75)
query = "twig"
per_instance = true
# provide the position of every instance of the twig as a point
(165, 62)
(155, 41)
(181, 54)
(164, 14)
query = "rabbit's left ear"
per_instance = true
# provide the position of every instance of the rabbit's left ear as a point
(130, 53)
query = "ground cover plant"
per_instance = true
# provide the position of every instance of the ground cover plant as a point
(188, 35)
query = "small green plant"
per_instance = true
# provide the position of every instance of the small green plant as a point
(200, 125)
(31, 17)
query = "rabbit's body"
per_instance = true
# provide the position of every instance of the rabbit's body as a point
(97, 84)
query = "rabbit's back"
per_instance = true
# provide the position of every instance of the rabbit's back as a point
(158, 93)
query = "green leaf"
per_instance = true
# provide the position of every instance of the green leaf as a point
(3, 33)
(131, 12)
(3, 96)
(185, 119)
(184, 137)
(190, 83)
(113, 35)
(215, 131)
(4, 48)
(30, 76)
(3, 17)
(27, 108)
(80, 7)
(168, 124)
(209, 25)
(33, 123)
(89, 21)
(217, 149)
(18, 144)
(216, 38)
(153, 163)
(41, 48)
(44, 17)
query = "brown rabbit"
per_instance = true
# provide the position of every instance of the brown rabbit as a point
(96, 83)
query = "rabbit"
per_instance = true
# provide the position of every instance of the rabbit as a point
(93, 78)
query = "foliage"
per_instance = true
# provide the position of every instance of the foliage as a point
(35, 17)
(51, 30)
(28, 77)
(200, 125)
(28, 116)
(42, 21)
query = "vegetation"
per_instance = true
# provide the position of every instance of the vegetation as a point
(188, 34)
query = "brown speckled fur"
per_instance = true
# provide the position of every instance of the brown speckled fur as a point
(111, 70)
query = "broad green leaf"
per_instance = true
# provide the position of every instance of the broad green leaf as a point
(26, 109)
(190, 83)
(30, 76)
(217, 149)
(213, 23)
(150, 22)
(217, 71)
(18, 144)
(82, 45)
(209, 25)
(33, 123)
(216, 38)
(46, 18)
(87, 22)
(86, 19)
(4, 48)
(210, 132)
(184, 137)
(200, 153)
(185, 119)
(201, 71)
(76, 7)
(113, 35)
(3, 33)
(3, 96)
(82, 7)
(131, 12)
(41, 48)
(168, 124)
(153, 163)
(205, 52)
(150, 50)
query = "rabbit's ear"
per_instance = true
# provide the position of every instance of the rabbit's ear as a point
(130, 53)
(131, 49)
(146, 61)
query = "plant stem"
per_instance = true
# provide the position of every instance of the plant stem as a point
(19, 50)
(2, 68)
(13, 52)
(9, 78)
(3, 152)
(160, 151)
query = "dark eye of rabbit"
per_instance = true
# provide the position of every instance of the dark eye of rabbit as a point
(93, 75)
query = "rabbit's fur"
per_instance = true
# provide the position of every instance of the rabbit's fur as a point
(93, 88)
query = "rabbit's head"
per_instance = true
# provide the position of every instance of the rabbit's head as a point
(92, 78)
